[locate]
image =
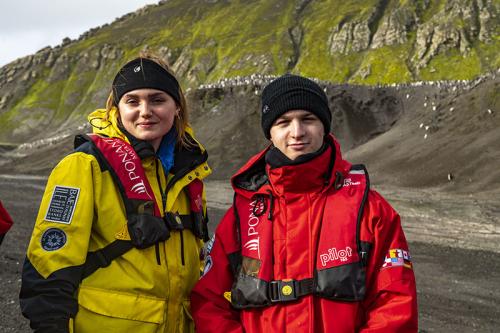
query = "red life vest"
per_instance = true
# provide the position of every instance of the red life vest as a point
(145, 223)
(340, 255)
(127, 172)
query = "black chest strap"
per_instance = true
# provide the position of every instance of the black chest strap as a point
(103, 257)
(290, 290)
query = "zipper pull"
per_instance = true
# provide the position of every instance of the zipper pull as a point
(157, 250)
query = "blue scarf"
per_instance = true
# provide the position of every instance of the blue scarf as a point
(166, 151)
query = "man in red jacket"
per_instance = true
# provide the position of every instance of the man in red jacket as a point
(5, 222)
(307, 246)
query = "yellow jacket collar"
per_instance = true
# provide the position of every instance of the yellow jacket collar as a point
(109, 127)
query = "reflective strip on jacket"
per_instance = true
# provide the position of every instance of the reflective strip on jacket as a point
(299, 191)
(81, 211)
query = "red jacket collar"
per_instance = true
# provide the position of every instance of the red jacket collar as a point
(255, 176)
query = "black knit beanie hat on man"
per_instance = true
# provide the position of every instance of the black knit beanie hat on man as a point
(292, 92)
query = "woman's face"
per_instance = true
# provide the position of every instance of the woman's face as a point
(148, 114)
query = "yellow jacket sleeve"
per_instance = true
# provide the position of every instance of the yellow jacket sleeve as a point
(59, 244)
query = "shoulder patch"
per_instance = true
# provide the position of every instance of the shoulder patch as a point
(397, 257)
(53, 239)
(208, 259)
(210, 244)
(208, 265)
(62, 204)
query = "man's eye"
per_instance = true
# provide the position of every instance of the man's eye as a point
(309, 119)
(131, 101)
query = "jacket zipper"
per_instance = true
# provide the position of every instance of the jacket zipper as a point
(157, 250)
(178, 175)
(163, 201)
(182, 247)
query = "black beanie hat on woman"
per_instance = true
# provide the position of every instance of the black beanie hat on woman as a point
(293, 92)
(144, 73)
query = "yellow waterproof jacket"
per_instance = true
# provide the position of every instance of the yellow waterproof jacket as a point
(82, 211)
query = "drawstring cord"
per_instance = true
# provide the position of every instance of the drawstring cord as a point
(338, 181)
(271, 205)
(91, 121)
(260, 206)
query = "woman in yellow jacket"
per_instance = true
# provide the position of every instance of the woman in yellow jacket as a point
(117, 241)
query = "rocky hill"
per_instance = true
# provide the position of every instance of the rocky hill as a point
(361, 42)
(442, 135)
(413, 85)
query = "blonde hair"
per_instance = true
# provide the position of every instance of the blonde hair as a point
(181, 120)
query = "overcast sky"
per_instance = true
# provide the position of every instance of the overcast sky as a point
(27, 26)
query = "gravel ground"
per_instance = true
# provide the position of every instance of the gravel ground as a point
(454, 243)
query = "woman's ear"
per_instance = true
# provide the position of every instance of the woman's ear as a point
(119, 118)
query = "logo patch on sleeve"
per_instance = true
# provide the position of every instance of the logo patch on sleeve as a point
(62, 204)
(210, 244)
(208, 264)
(53, 239)
(397, 257)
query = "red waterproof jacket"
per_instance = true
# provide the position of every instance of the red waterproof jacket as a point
(5, 220)
(285, 224)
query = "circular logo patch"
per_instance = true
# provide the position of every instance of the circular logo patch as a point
(53, 239)
(286, 290)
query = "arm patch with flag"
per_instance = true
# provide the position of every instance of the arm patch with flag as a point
(397, 257)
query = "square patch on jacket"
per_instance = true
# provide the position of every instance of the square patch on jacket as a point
(62, 204)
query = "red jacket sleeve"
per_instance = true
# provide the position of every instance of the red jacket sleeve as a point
(391, 300)
(211, 311)
(5, 220)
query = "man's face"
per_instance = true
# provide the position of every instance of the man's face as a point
(297, 132)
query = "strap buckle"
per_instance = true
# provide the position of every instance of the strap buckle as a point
(283, 290)
(174, 221)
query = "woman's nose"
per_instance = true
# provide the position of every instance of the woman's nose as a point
(145, 109)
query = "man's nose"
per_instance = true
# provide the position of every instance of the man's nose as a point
(297, 129)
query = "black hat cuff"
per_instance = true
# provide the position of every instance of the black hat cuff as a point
(299, 99)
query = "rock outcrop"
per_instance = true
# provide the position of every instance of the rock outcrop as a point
(454, 26)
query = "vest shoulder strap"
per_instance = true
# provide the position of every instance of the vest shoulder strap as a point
(103, 257)
(362, 248)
